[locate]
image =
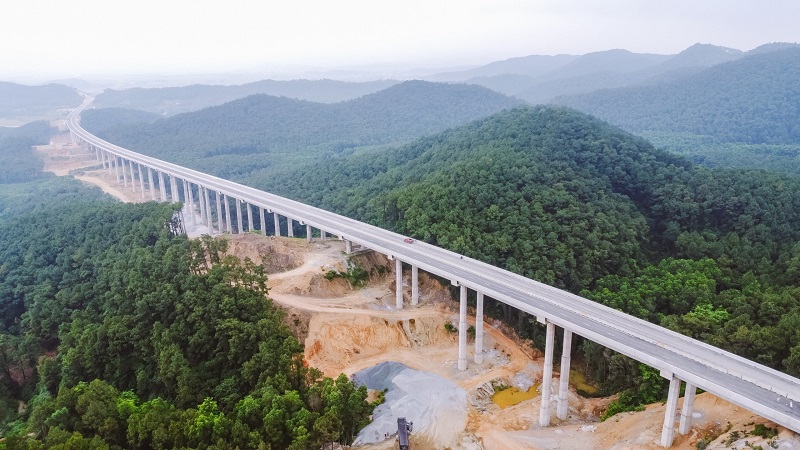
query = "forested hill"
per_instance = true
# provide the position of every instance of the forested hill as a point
(17, 100)
(753, 100)
(263, 131)
(569, 200)
(174, 100)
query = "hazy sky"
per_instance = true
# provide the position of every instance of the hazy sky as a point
(83, 37)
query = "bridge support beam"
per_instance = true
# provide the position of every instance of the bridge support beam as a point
(277, 223)
(414, 285)
(150, 183)
(141, 179)
(209, 217)
(238, 202)
(322, 235)
(668, 431)
(110, 164)
(563, 378)
(133, 176)
(462, 328)
(289, 227)
(479, 329)
(250, 223)
(263, 221)
(116, 167)
(348, 246)
(189, 195)
(220, 221)
(162, 187)
(124, 175)
(398, 281)
(308, 232)
(201, 201)
(226, 205)
(173, 189)
(547, 376)
(688, 408)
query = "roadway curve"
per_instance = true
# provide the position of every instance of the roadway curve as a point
(767, 392)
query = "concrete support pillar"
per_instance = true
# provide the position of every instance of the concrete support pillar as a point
(398, 281)
(201, 201)
(414, 285)
(173, 189)
(187, 193)
(102, 158)
(263, 221)
(462, 329)
(308, 232)
(688, 408)
(547, 375)
(250, 226)
(227, 207)
(209, 217)
(150, 183)
(238, 215)
(162, 186)
(220, 222)
(563, 379)
(289, 227)
(668, 431)
(277, 222)
(322, 235)
(479, 329)
(133, 178)
(110, 163)
(348, 247)
(96, 153)
(116, 167)
(124, 174)
(141, 179)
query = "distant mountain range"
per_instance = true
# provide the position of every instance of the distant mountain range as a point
(173, 100)
(540, 79)
(263, 131)
(21, 101)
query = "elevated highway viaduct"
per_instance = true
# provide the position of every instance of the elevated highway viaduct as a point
(226, 206)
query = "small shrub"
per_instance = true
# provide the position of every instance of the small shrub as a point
(450, 327)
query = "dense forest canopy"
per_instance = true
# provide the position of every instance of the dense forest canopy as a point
(16, 151)
(114, 333)
(270, 133)
(173, 100)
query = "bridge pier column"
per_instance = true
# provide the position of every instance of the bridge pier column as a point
(96, 153)
(263, 221)
(250, 226)
(102, 158)
(479, 329)
(150, 182)
(220, 221)
(173, 189)
(277, 222)
(238, 216)
(187, 193)
(201, 201)
(116, 167)
(563, 378)
(547, 376)
(348, 247)
(227, 207)
(162, 187)
(124, 174)
(414, 285)
(141, 179)
(668, 431)
(687, 409)
(110, 164)
(209, 217)
(133, 175)
(322, 235)
(308, 233)
(462, 328)
(398, 281)
(289, 227)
